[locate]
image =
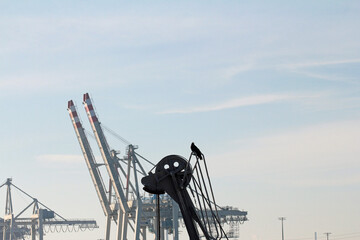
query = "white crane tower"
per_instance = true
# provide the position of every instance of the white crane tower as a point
(125, 209)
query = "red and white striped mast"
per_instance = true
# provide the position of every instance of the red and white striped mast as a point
(92, 166)
(110, 163)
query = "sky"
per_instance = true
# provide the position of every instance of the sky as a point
(268, 90)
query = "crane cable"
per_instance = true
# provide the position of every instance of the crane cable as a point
(207, 201)
(112, 132)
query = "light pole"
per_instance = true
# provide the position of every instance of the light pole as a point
(282, 226)
(327, 235)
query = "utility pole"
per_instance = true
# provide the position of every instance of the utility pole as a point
(327, 235)
(282, 226)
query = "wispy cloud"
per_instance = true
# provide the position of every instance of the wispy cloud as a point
(51, 81)
(308, 69)
(325, 77)
(60, 158)
(234, 70)
(295, 67)
(308, 156)
(334, 100)
(329, 180)
(24, 83)
(318, 63)
(235, 103)
(63, 33)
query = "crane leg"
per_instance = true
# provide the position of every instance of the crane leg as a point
(108, 225)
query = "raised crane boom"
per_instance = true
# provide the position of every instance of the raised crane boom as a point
(89, 158)
(92, 165)
(110, 164)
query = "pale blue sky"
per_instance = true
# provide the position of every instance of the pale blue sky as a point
(269, 91)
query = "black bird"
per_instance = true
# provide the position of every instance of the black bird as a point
(196, 151)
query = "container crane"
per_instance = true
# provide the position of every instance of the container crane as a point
(15, 226)
(130, 209)
(135, 211)
(110, 163)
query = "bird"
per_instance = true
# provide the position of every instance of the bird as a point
(196, 151)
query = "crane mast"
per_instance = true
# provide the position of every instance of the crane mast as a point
(91, 164)
(110, 167)
(134, 161)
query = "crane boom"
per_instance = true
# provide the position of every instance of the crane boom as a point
(105, 151)
(89, 158)
(110, 163)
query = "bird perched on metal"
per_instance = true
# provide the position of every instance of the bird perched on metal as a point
(196, 151)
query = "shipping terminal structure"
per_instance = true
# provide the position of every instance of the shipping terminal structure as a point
(36, 219)
(134, 212)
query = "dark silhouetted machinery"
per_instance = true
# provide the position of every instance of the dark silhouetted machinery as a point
(190, 187)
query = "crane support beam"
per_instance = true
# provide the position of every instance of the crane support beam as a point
(80, 223)
(137, 191)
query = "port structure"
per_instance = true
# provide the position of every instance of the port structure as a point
(124, 210)
(15, 226)
(123, 202)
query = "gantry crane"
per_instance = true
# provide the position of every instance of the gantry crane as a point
(15, 226)
(110, 164)
(137, 212)
(130, 209)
